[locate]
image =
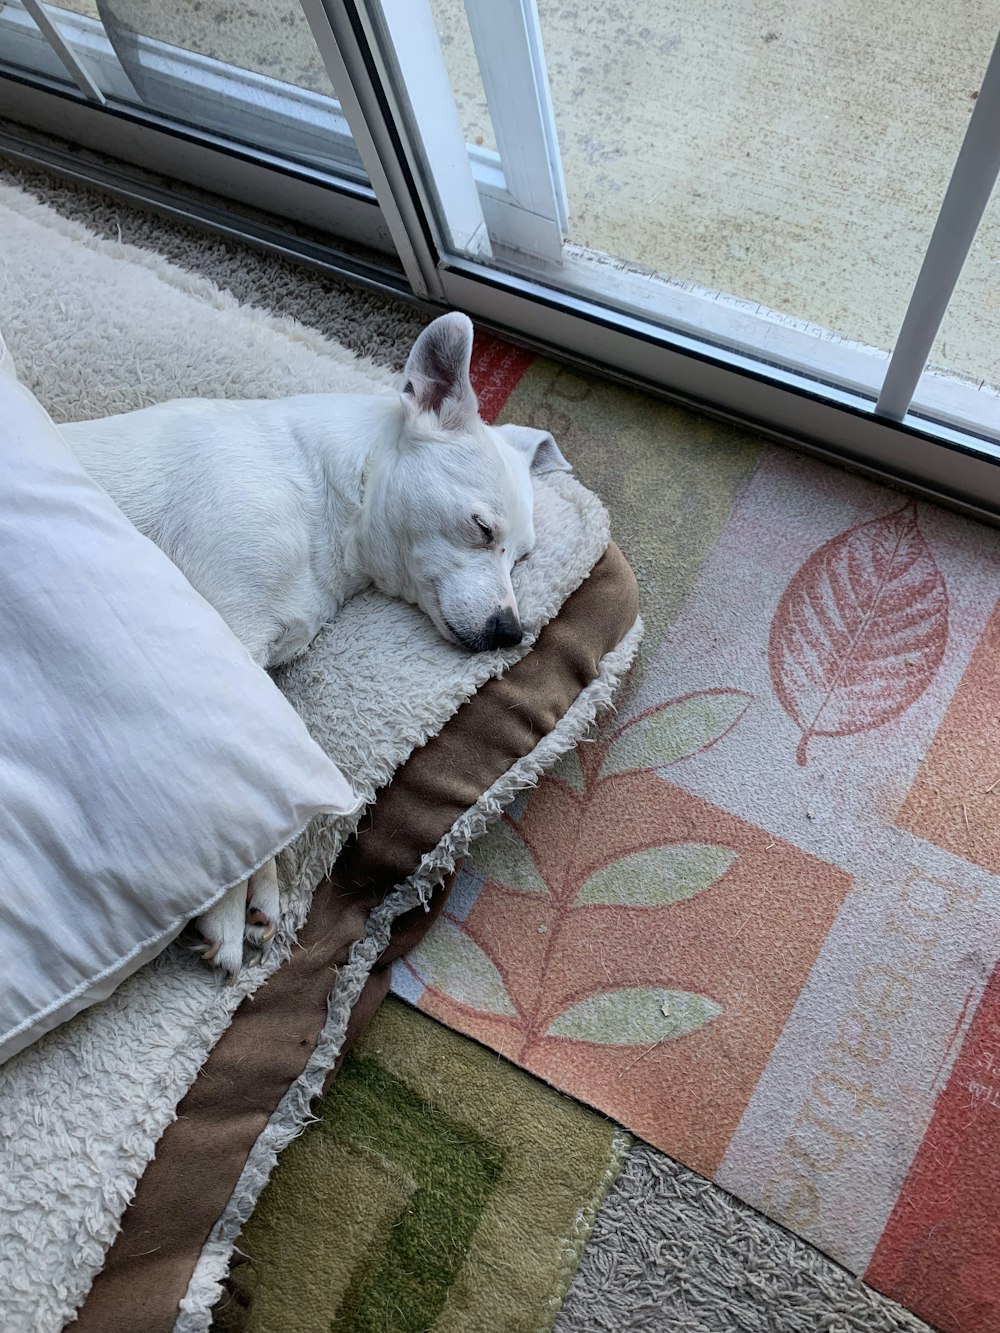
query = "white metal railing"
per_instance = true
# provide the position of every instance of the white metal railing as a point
(74, 65)
(968, 193)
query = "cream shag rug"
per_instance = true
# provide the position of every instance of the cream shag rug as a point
(97, 327)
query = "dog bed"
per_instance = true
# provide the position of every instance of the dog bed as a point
(216, 1081)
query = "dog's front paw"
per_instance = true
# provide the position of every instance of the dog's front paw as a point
(222, 929)
(262, 910)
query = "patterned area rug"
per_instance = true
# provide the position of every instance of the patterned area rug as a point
(443, 1189)
(436, 1190)
(757, 918)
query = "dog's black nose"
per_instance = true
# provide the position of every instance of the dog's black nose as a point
(504, 631)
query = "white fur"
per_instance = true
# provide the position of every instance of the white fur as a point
(279, 510)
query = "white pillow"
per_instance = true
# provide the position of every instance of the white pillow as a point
(146, 763)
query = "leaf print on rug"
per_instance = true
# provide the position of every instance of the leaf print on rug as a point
(623, 933)
(452, 962)
(860, 630)
(635, 1014)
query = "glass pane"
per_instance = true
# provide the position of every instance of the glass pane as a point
(463, 72)
(269, 37)
(250, 72)
(792, 157)
(23, 48)
(968, 342)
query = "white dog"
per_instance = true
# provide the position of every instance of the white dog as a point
(278, 511)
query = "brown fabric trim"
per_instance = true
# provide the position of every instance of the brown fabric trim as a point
(198, 1161)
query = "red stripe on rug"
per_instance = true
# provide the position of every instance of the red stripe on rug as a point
(938, 1253)
(497, 368)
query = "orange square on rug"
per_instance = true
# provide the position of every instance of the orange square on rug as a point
(639, 947)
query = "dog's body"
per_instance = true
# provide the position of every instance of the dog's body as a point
(258, 502)
(278, 511)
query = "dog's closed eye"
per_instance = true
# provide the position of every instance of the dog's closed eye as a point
(485, 529)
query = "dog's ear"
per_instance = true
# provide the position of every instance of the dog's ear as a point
(538, 448)
(437, 371)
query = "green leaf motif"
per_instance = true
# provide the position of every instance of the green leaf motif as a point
(503, 857)
(447, 959)
(658, 877)
(569, 769)
(635, 1016)
(676, 731)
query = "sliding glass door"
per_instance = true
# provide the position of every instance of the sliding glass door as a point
(762, 211)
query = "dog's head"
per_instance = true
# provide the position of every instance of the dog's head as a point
(450, 505)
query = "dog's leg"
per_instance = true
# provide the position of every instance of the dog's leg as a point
(262, 908)
(222, 927)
